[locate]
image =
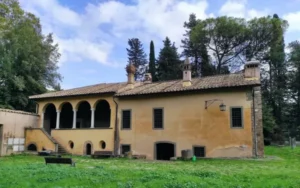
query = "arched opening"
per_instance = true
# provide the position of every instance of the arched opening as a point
(102, 114)
(88, 149)
(32, 147)
(66, 116)
(71, 144)
(49, 118)
(164, 150)
(83, 115)
(102, 144)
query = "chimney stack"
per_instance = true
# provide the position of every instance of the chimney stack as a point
(252, 70)
(130, 69)
(148, 78)
(187, 73)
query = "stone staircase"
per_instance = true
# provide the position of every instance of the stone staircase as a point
(60, 149)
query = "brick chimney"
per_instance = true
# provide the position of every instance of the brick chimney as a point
(148, 78)
(187, 73)
(130, 69)
(252, 70)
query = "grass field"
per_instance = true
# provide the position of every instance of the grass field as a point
(281, 168)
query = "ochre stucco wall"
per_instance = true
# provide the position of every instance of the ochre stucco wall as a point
(187, 123)
(82, 136)
(14, 123)
(37, 137)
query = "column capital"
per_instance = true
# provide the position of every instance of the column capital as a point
(58, 111)
(75, 110)
(93, 109)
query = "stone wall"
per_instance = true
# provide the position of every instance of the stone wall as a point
(13, 124)
(258, 136)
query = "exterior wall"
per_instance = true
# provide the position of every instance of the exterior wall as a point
(14, 124)
(188, 123)
(80, 137)
(39, 138)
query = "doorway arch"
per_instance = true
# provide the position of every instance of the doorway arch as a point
(164, 150)
(88, 148)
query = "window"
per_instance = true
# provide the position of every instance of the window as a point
(158, 114)
(126, 119)
(199, 151)
(236, 117)
(125, 148)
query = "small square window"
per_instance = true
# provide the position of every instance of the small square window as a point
(125, 148)
(158, 114)
(126, 119)
(236, 117)
(199, 151)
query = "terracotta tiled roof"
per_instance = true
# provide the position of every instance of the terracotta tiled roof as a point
(87, 90)
(120, 89)
(210, 82)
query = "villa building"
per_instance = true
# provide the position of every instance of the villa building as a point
(215, 116)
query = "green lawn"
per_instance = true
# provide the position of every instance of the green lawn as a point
(281, 168)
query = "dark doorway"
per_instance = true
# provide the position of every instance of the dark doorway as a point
(66, 116)
(50, 118)
(32, 147)
(102, 114)
(164, 151)
(84, 115)
(1, 137)
(88, 149)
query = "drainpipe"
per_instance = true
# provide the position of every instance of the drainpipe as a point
(116, 133)
(254, 122)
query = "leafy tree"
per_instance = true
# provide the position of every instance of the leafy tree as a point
(196, 51)
(233, 40)
(275, 79)
(152, 64)
(28, 59)
(294, 86)
(169, 64)
(137, 56)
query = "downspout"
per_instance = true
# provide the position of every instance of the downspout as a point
(254, 122)
(116, 132)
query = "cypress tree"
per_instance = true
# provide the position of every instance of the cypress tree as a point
(152, 66)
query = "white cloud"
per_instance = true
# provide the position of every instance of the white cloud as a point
(94, 33)
(294, 21)
(238, 8)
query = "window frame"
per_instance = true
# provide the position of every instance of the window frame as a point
(122, 128)
(242, 117)
(121, 150)
(153, 118)
(195, 146)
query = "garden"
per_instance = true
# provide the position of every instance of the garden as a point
(279, 168)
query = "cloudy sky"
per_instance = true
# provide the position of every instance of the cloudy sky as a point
(93, 34)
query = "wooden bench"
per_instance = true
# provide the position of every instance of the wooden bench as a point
(98, 154)
(59, 160)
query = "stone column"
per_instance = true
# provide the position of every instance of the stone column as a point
(57, 119)
(93, 118)
(42, 120)
(74, 118)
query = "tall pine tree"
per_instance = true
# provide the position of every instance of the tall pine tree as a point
(137, 56)
(169, 64)
(152, 64)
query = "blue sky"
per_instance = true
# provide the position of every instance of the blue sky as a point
(93, 34)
